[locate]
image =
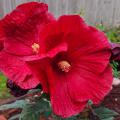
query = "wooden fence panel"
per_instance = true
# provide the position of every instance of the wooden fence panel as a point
(105, 11)
(1, 9)
(116, 13)
(95, 11)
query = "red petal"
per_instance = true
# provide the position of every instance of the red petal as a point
(63, 103)
(1, 45)
(1, 42)
(70, 92)
(1, 38)
(51, 40)
(37, 67)
(62, 47)
(85, 43)
(26, 7)
(86, 85)
(18, 71)
(22, 27)
(93, 58)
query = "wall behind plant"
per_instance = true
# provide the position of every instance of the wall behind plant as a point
(94, 11)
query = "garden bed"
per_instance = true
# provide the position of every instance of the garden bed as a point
(112, 101)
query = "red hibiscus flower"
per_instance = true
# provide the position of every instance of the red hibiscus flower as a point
(20, 32)
(80, 73)
(69, 58)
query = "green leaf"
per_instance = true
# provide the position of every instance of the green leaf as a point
(76, 117)
(4, 93)
(114, 65)
(105, 113)
(17, 104)
(71, 118)
(90, 102)
(32, 91)
(100, 27)
(33, 111)
(111, 118)
(14, 117)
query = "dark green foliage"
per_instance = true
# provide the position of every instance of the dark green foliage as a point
(15, 117)
(3, 89)
(31, 107)
(113, 34)
(100, 27)
(71, 118)
(32, 111)
(114, 65)
(105, 113)
(17, 104)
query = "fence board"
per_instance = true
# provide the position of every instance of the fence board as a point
(95, 11)
(116, 16)
(1, 8)
(105, 11)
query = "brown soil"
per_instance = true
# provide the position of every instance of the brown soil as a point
(112, 101)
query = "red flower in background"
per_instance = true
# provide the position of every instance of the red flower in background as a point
(80, 73)
(19, 31)
(115, 49)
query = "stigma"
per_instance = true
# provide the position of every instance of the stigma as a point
(35, 48)
(64, 66)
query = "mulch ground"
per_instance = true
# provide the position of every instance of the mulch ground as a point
(112, 101)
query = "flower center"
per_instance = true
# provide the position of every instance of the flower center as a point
(64, 66)
(35, 47)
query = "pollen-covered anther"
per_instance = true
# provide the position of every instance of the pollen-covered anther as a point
(35, 47)
(64, 66)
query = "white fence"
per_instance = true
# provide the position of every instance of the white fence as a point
(95, 11)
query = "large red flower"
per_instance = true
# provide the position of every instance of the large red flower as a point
(19, 36)
(80, 73)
